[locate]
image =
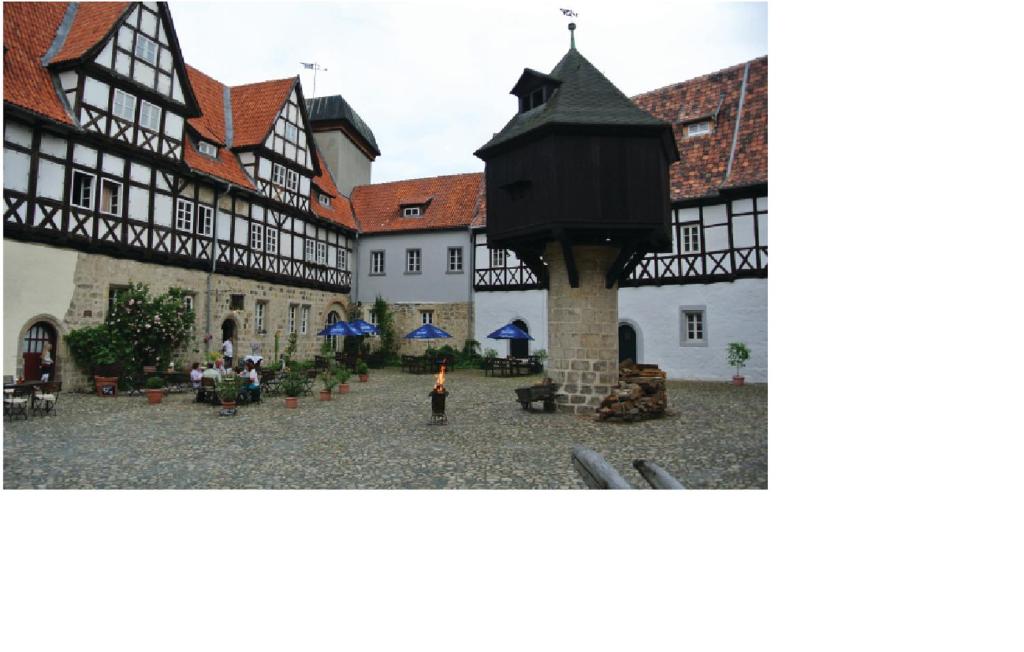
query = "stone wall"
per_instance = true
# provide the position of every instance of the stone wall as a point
(456, 319)
(583, 335)
(95, 274)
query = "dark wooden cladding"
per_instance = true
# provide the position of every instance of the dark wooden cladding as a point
(589, 185)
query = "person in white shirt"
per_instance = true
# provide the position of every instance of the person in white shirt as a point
(253, 386)
(229, 352)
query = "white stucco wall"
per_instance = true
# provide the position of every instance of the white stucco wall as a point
(38, 280)
(492, 310)
(434, 284)
(734, 312)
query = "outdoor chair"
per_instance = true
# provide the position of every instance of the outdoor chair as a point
(17, 401)
(44, 400)
(207, 392)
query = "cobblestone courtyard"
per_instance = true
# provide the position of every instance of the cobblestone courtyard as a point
(377, 437)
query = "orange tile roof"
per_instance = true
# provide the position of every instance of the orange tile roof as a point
(225, 167)
(93, 21)
(340, 210)
(210, 95)
(377, 206)
(29, 29)
(701, 170)
(254, 107)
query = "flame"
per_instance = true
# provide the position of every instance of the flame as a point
(439, 379)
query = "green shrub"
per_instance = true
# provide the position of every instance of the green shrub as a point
(342, 374)
(361, 368)
(228, 388)
(385, 326)
(293, 383)
(155, 382)
(738, 355)
(328, 379)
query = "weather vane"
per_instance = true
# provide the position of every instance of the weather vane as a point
(569, 13)
(314, 67)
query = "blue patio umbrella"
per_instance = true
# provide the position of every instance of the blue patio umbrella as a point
(365, 328)
(427, 332)
(510, 332)
(341, 328)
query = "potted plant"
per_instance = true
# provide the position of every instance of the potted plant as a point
(738, 356)
(155, 389)
(343, 374)
(328, 380)
(228, 389)
(363, 371)
(292, 385)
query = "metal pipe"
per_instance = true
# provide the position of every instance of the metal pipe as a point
(213, 259)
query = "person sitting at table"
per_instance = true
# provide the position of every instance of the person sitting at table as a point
(196, 376)
(253, 384)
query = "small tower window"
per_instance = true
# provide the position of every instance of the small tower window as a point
(411, 211)
(698, 128)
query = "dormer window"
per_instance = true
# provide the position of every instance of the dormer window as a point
(535, 98)
(412, 211)
(208, 148)
(145, 49)
(324, 200)
(698, 128)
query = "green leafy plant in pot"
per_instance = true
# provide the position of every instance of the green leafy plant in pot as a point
(363, 371)
(342, 374)
(292, 385)
(738, 356)
(155, 390)
(228, 389)
(328, 379)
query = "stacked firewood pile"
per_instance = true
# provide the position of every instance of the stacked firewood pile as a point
(640, 394)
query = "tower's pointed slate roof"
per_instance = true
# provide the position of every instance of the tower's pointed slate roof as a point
(584, 97)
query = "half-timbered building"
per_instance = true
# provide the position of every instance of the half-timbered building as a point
(679, 309)
(123, 164)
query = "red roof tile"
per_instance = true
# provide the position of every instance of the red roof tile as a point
(254, 107)
(701, 170)
(340, 210)
(210, 95)
(377, 206)
(226, 166)
(29, 29)
(93, 21)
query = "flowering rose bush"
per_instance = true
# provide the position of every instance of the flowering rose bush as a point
(139, 330)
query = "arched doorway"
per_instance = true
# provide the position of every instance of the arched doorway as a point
(228, 330)
(519, 348)
(36, 339)
(332, 318)
(627, 343)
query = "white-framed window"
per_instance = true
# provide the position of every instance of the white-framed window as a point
(271, 243)
(256, 236)
(149, 116)
(208, 148)
(377, 263)
(183, 216)
(321, 253)
(124, 105)
(411, 211)
(206, 220)
(694, 326)
(343, 259)
(454, 259)
(324, 200)
(698, 128)
(145, 49)
(291, 318)
(291, 132)
(277, 174)
(261, 311)
(310, 249)
(291, 180)
(691, 238)
(81, 189)
(427, 316)
(110, 197)
(413, 261)
(305, 319)
(497, 257)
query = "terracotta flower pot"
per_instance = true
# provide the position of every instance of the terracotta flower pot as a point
(364, 377)
(229, 405)
(155, 396)
(343, 388)
(325, 394)
(737, 380)
(291, 402)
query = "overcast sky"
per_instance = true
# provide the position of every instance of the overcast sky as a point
(432, 78)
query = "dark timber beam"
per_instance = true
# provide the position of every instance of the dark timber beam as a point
(570, 261)
(617, 270)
